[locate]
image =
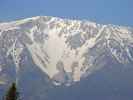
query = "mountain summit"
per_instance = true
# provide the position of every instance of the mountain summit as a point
(66, 51)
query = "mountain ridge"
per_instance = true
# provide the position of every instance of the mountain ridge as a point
(66, 50)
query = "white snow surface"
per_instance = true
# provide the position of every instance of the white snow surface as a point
(55, 40)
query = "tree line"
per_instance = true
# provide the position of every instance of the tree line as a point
(12, 93)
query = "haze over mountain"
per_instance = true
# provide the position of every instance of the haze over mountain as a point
(52, 57)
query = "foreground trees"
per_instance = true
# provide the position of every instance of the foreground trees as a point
(12, 93)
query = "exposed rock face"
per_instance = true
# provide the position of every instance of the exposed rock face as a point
(65, 50)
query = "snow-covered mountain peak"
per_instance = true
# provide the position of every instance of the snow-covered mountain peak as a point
(65, 50)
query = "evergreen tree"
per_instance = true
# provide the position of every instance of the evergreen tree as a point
(12, 93)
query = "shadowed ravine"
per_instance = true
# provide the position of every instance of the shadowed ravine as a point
(112, 82)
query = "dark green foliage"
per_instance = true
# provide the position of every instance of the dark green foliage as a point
(12, 93)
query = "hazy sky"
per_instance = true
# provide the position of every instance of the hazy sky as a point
(119, 12)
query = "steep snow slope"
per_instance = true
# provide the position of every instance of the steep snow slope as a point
(65, 50)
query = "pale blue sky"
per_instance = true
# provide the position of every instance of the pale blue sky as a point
(119, 12)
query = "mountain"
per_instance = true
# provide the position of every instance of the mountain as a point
(51, 57)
